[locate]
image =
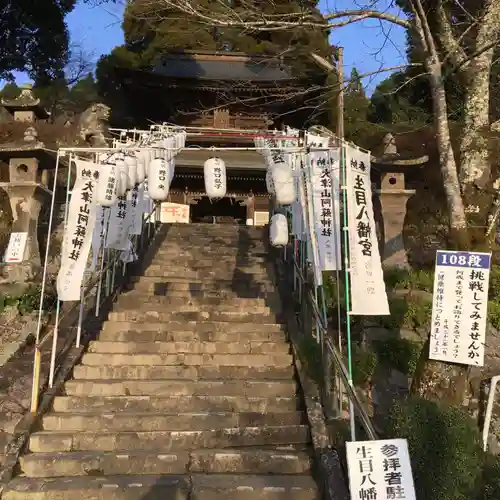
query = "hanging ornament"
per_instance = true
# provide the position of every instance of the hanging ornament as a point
(284, 187)
(131, 162)
(278, 230)
(158, 179)
(172, 170)
(107, 185)
(214, 171)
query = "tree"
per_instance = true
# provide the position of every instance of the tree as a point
(153, 28)
(445, 40)
(34, 38)
(356, 106)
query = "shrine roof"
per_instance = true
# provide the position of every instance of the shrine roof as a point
(238, 160)
(227, 66)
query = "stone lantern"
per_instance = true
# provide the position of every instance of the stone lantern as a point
(26, 184)
(393, 197)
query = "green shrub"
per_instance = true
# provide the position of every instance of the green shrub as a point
(494, 313)
(494, 290)
(29, 301)
(403, 279)
(445, 448)
(398, 353)
(364, 362)
(491, 478)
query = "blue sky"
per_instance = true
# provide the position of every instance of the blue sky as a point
(368, 46)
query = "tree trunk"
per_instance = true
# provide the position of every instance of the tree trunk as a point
(433, 379)
(451, 185)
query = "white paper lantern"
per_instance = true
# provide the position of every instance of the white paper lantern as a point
(278, 230)
(169, 145)
(214, 171)
(131, 162)
(141, 168)
(284, 187)
(159, 179)
(122, 177)
(181, 140)
(106, 192)
(270, 182)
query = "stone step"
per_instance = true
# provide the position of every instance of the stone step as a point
(197, 259)
(189, 347)
(199, 487)
(147, 316)
(95, 359)
(185, 373)
(84, 463)
(166, 441)
(231, 255)
(104, 388)
(158, 304)
(191, 331)
(184, 404)
(175, 421)
(162, 286)
(256, 274)
(179, 298)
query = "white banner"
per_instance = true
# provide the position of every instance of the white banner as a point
(380, 470)
(99, 234)
(325, 182)
(368, 294)
(137, 210)
(78, 233)
(119, 223)
(459, 307)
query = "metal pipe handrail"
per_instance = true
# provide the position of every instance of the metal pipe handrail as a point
(337, 358)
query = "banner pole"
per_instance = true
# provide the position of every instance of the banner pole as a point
(345, 229)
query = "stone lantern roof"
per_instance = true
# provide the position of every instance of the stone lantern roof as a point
(393, 161)
(26, 101)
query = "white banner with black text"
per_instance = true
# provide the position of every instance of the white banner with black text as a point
(79, 230)
(368, 294)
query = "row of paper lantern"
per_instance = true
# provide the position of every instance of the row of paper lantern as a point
(121, 172)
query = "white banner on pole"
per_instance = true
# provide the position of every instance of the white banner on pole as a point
(119, 223)
(459, 307)
(78, 233)
(99, 234)
(137, 210)
(325, 181)
(368, 294)
(380, 470)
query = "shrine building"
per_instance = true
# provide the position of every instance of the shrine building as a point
(224, 100)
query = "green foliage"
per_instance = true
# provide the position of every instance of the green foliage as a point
(445, 448)
(35, 38)
(29, 301)
(494, 313)
(494, 291)
(310, 355)
(403, 279)
(398, 353)
(364, 361)
(491, 478)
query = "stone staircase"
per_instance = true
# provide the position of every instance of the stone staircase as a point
(188, 393)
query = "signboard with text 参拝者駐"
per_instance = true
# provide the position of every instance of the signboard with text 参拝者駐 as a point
(459, 307)
(380, 470)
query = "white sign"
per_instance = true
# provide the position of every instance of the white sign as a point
(459, 307)
(174, 213)
(120, 222)
(368, 294)
(325, 181)
(101, 226)
(16, 248)
(79, 230)
(261, 218)
(380, 470)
